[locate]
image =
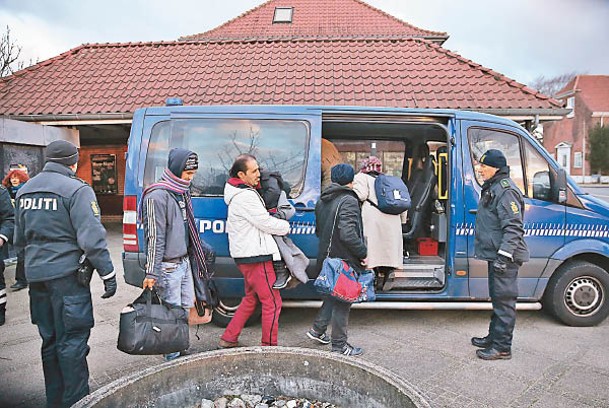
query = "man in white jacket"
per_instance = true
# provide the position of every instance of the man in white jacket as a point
(250, 231)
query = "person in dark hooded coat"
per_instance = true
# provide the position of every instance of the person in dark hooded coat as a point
(339, 228)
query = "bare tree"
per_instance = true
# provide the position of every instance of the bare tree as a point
(9, 54)
(551, 86)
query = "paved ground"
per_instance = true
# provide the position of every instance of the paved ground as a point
(553, 365)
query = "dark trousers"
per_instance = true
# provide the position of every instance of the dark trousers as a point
(2, 285)
(20, 271)
(336, 312)
(63, 312)
(503, 289)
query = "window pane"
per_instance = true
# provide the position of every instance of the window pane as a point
(279, 145)
(538, 175)
(481, 140)
(391, 153)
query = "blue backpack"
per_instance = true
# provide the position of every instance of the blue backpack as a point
(392, 194)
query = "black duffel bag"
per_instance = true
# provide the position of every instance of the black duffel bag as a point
(149, 326)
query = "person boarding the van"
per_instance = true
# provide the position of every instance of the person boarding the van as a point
(250, 231)
(57, 221)
(499, 241)
(383, 232)
(171, 233)
(338, 201)
(7, 226)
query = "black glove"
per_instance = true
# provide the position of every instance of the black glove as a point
(110, 287)
(500, 264)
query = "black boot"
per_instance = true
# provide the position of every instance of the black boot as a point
(2, 313)
(482, 342)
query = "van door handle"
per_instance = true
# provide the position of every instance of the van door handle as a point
(473, 211)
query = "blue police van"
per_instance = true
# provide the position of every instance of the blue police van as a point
(435, 151)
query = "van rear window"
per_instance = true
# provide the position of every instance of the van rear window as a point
(279, 145)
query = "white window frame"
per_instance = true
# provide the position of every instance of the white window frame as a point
(283, 15)
(578, 160)
(571, 105)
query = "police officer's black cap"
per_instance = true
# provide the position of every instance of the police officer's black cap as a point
(63, 152)
(494, 158)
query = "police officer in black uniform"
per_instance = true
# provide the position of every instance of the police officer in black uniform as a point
(58, 220)
(7, 225)
(500, 242)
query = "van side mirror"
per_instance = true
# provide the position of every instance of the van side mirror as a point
(561, 186)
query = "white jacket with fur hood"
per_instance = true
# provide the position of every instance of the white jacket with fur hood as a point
(250, 227)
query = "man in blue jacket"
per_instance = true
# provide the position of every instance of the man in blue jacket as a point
(7, 224)
(58, 221)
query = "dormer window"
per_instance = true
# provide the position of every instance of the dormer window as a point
(283, 15)
(571, 105)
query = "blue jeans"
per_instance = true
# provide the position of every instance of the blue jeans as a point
(175, 285)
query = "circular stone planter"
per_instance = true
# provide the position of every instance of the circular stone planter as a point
(295, 372)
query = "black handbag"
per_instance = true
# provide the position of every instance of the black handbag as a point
(149, 326)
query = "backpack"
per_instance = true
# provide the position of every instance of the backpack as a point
(392, 194)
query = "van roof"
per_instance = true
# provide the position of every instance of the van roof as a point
(324, 110)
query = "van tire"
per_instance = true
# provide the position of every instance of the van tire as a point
(224, 312)
(578, 294)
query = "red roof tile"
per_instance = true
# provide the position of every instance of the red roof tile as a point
(118, 78)
(592, 89)
(316, 18)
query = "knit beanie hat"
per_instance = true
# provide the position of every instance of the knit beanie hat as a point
(342, 174)
(182, 160)
(494, 158)
(63, 152)
(372, 163)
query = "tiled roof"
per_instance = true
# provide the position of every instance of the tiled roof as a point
(317, 18)
(118, 78)
(592, 89)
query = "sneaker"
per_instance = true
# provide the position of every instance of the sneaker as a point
(171, 356)
(282, 280)
(349, 350)
(322, 338)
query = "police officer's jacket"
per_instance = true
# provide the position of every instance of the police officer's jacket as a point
(57, 220)
(499, 225)
(7, 218)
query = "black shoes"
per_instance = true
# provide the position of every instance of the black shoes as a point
(283, 278)
(18, 286)
(482, 342)
(493, 354)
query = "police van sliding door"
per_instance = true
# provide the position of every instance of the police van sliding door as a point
(544, 220)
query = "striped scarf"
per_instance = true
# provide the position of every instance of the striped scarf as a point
(174, 184)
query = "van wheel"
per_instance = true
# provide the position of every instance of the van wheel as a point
(226, 309)
(577, 294)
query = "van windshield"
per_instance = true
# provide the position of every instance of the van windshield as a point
(279, 145)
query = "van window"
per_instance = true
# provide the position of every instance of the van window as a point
(481, 140)
(279, 145)
(391, 153)
(538, 175)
